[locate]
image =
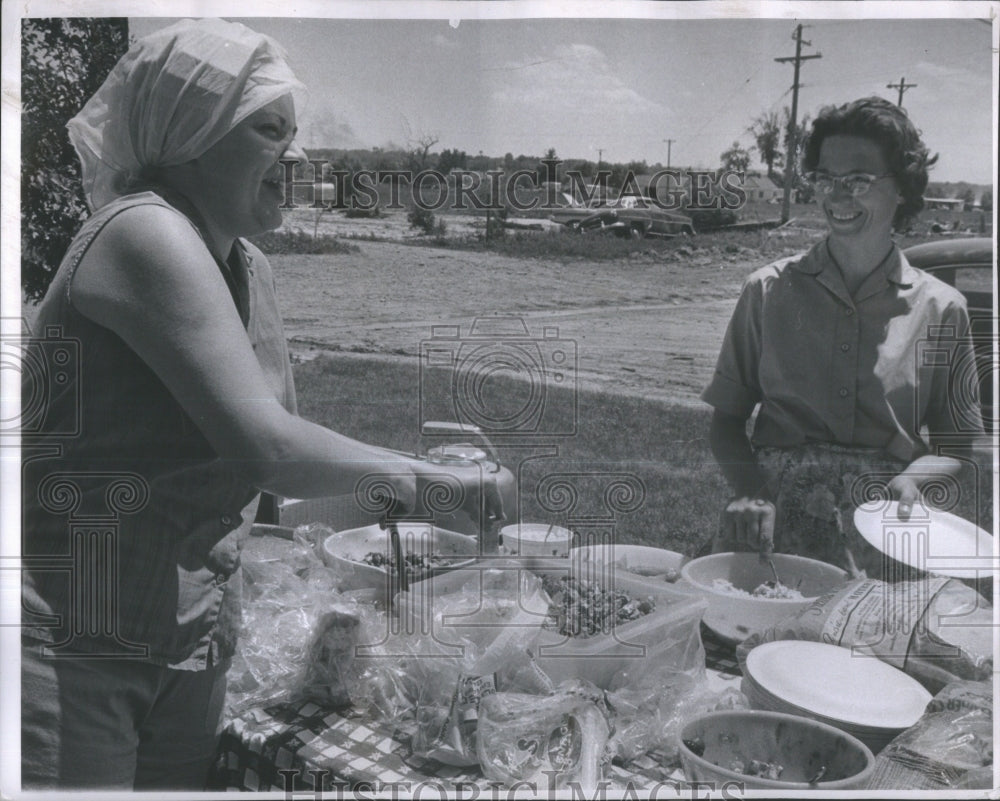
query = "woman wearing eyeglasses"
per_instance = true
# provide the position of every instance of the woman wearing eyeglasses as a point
(845, 353)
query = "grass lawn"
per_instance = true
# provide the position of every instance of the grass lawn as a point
(655, 453)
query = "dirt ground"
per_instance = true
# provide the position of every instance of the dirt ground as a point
(650, 324)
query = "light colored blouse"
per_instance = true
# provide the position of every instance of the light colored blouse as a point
(880, 369)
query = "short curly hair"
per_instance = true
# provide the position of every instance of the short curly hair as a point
(888, 126)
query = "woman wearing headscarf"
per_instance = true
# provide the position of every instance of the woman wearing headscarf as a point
(854, 361)
(179, 411)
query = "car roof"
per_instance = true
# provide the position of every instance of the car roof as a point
(947, 253)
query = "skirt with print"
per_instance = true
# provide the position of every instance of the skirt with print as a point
(817, 488)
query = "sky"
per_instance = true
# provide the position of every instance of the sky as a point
(619, 88)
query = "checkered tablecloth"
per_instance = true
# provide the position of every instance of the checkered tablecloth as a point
(303, 746)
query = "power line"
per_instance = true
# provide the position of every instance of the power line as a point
(797, 60)
(902, 86)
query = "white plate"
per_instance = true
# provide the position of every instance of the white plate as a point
(931, 540)
(838, 684)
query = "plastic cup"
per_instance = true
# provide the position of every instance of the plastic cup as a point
(535, 539)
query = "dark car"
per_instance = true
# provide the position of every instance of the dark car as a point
(629, 216)
(969, 265)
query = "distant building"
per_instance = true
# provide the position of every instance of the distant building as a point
(761, 189)
(944, 203)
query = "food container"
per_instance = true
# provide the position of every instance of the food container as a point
(805, 749)
(734, 616)
(535, 539)
(656, 564)
(668, 635)
(346, 550)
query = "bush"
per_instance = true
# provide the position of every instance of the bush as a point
(285, 242)
(421, 218)
(707, 219)
(354, 213)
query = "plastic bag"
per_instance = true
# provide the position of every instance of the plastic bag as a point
(648, 718)
(497, 618)
(936, 629)
(549, 741)
(950, 747)
(298, 635)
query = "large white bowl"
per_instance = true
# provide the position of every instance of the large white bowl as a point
(736, 617)
(345, 550)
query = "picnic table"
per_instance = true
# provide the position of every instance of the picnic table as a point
(303, 747)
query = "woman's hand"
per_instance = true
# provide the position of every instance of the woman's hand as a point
(483, 504)
(906, 487)
(748, 525)
(906, 490)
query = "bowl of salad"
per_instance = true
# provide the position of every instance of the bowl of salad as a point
(743, 595)
(364, 558)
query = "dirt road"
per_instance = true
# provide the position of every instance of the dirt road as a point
(650, 324)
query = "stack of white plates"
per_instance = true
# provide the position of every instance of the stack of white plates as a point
(858, 694)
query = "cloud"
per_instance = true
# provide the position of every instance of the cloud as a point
(944, 72)
(575, 78)
(323, 129)
(442, 42)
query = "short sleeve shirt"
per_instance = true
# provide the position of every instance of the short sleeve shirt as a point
(872, 370)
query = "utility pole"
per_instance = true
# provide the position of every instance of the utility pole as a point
(902, 86)
(797, 59)
(669, 143)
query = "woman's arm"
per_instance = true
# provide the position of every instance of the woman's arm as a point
(149, 278)
(748, 520)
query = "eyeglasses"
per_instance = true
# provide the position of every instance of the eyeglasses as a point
(855, 183)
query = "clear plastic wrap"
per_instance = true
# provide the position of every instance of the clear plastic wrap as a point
(647, 718)
(935, 629)
(549, 741)
(950, 747)
(298, 635)
(490, 651)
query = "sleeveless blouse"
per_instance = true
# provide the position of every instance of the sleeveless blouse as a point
(131, 523)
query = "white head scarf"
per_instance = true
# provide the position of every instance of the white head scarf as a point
(172, 96)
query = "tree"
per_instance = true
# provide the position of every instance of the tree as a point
(986, 201)
(736, 158)
(801, 131)
(419, 152)
(546, 171)
(766, 130)
(63, 62)
(969, 196)
(451, 160)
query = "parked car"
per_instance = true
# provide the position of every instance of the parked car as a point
(630, 216)
(969, 265)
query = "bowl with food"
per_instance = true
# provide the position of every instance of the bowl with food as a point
(655, 564)
(772, 751)
(746, 593)
(364, 557)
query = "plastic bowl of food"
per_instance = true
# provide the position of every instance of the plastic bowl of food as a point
(655, 564)
(772, 751)
(740, 592)
(361, 556)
